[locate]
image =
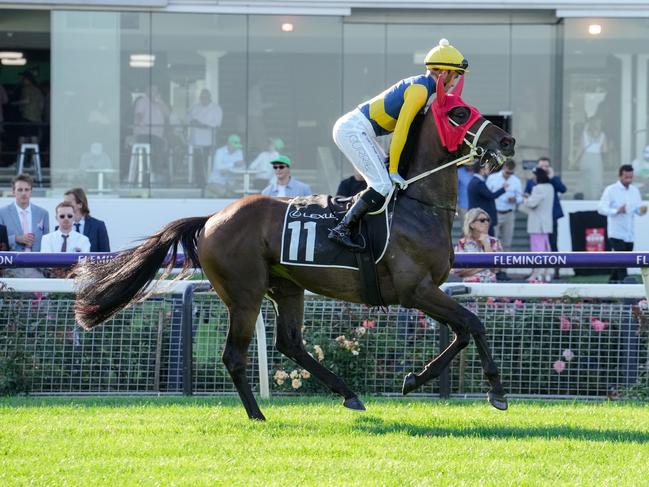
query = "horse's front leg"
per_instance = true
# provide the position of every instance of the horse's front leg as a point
(439, 306)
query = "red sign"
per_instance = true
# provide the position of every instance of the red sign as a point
(595, 240)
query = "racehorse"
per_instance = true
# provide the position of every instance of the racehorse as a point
(238, 248)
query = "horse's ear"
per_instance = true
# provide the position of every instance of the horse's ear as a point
(440, 90)
(457, 90)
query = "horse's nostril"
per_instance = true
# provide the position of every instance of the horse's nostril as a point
(507, 143)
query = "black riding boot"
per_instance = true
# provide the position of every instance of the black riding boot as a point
(341, 233)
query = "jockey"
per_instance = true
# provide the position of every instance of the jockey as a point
(391, 111)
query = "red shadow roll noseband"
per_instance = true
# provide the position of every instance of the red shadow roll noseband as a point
(451, 134)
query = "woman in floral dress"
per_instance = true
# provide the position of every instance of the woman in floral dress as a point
(476, 238)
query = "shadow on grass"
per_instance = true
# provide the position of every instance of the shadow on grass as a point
(378, 426)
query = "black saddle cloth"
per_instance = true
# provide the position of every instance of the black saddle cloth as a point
(306, 225)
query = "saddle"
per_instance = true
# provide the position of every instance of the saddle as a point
(305, 243)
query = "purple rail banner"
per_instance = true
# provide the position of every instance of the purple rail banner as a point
(504, 260)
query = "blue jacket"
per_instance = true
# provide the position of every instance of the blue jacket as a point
(480, 196)
(40, 226)
(294, 188)
(559, 187)
(96, 232)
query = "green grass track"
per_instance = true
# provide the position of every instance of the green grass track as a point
(315, 441)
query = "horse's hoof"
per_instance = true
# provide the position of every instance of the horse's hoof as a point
(354, 403)
(257, 417)
(498, 401)
(409, 383)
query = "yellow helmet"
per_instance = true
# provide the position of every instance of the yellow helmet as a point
(445, 56)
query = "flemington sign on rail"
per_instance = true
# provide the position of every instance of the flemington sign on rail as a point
(469, 260)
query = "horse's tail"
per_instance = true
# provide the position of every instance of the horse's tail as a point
(105, 288)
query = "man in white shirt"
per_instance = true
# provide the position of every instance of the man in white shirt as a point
(507, 202)
(226, 158)
(262, 163)
(65, 239)
(620, 202)
(204, 118)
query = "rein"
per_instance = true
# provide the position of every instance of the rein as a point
(475, 152)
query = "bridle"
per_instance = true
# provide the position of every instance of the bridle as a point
(475, 152)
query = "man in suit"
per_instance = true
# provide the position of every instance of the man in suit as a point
(4, 239)
(85, 224)
(352, 185)
(26, 223)
(480, 196)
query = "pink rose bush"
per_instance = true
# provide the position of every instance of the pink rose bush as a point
(564, 323)
(597, 324)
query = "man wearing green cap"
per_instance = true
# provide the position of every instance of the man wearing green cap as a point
(226, 158)
(262, 167)
(285, 185)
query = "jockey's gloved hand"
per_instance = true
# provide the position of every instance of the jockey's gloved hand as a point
(398, 180)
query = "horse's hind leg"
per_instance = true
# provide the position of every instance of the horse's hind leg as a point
(235, 353)
(290, 317)
(435, 303)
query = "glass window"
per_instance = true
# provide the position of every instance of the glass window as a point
(532, 85)
(200, 72)
(364, 73)
(158, 94)
(295, 93)
(605, 101)
(24, 87)
(486, 47)
(89, 64)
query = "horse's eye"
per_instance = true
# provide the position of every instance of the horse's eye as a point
(459, 115)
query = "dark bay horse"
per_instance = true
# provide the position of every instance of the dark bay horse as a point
(238, 248)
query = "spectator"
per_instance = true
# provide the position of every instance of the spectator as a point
(620, 201)
(506, 203)
(4, 243)
(204, 118)
(26, 223)
(226, 158)
(538, 206)
(4, 239)
(476, 238)
(352, 185)
(591, 158)
(286, 185)
(480, 196)
(151, 114)
(65, 238)
(557, 211)
(261, 165)
(85, 224)
(30, 105)
(464, 176)
(641, 170)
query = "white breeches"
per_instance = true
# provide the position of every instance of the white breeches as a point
(354, 135)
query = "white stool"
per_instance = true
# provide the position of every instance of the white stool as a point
(140, 164)
(36, 160)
